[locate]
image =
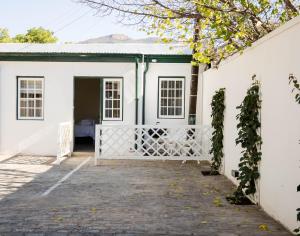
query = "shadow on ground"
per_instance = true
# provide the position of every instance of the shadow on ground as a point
(122, 197)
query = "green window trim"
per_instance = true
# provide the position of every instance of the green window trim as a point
(159, 99)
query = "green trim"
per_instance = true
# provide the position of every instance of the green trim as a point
(136, 92)
(183, 96)
(93, 57)
(17, 97)
(169, 58)
(144, 91)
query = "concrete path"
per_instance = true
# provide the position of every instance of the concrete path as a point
(122, 198)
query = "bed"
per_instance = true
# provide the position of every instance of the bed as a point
(85, 128)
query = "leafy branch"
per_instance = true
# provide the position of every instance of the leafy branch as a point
(250, 140)
(217, 115)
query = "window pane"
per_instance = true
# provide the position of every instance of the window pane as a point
(164, 84)
(171, 93)
(179, 93)
(178, 111)
(38, 103)
(108, 94)
(164, 93)
(30, 103)
(38, 113)
(171, 102)
(30, 84)
(108, 103)
(163, 111)
(116, 94)
(38, 94)
(30, 93)
(23, 94)
(179, 84)
(23, 84)
(23, 112)
(178, 102)
(30, 112)
(108, 85)
(171, 84)
(23, 103)
(164, 102)
(116, 85)
(38, 84)
(108, 113)
(171, 111)
(117, 103)
(116, 113)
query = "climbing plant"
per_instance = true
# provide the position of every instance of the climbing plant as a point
(218, 107)
(296, 87)
(250, 140)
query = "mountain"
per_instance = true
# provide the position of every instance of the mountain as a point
(119, 38)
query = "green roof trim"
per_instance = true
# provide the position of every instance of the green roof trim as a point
(93, 57)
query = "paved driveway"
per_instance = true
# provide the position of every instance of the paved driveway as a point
(121, 197)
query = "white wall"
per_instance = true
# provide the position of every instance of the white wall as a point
(40, 137)
(272, 59)
(165, 69)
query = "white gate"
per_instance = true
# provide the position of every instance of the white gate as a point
(149, 142)
(65, 137)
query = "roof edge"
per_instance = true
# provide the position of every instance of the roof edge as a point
(92, 57)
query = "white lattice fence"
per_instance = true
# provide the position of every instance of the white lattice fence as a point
(146, 142)
(65, 137)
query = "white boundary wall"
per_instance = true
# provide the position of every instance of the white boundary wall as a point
(272, 59)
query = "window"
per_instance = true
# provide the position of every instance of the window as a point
(30, 98)
(171, 97)
(112, 104)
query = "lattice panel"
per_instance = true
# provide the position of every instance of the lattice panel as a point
(65, 136)
(153, 142)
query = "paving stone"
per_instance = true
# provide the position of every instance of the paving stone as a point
(124, 198)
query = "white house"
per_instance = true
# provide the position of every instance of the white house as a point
(43, 85)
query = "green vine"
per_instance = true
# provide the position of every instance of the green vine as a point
(296, 89)
(250, 140)
(293, 80)
(217, 115)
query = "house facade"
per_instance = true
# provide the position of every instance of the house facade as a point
(44, 85)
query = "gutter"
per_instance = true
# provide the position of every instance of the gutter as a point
(136, 91)
(144, 88)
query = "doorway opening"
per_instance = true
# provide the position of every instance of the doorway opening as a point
(86, 112)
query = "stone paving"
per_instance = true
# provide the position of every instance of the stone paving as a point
(123, 198)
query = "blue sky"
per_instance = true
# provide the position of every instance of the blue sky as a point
(70, 21)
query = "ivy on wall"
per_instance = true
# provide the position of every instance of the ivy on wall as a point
(250, 140)
(218, 107)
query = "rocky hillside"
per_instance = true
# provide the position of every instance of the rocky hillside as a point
(119, 38)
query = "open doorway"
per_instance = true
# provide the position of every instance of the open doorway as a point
(86, 112)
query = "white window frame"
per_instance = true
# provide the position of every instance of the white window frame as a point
(182, 115)
(104, 99)
(26, 78)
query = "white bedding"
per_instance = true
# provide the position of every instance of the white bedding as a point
(85, 128)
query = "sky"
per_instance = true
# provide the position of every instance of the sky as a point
(70, 21)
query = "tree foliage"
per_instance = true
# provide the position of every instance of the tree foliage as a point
(218, 107)
(33, 35)
(4, 35)
(250, 140)
(225, 26)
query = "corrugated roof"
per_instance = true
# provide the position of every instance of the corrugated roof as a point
(104, 48)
